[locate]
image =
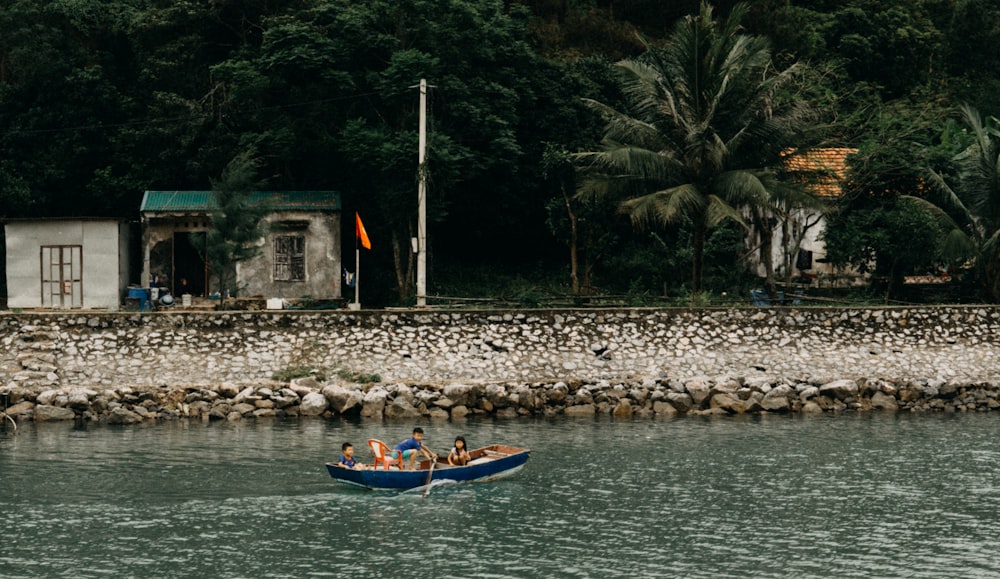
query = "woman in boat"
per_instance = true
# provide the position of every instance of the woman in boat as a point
(459, 455)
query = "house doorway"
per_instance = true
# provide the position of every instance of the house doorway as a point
(62, 276)
(190, 273)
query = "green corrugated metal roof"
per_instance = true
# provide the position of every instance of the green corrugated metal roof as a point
(205, 201)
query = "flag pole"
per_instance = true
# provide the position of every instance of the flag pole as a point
(357, 273)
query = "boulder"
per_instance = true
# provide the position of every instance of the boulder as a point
(775, 403)
(343, 400)
(497, 395)
(219, 410)
(228, 389)
(727, 402)
(458, 393)
(48, 397)
(680, 402)
(246, 395)
(530, 399)
(374, 403)
(286, 401)
(557, 392)
(122, 415)
(949, 388)
(401, 408)
(665, 408)
(79, 398)
(443, 403)
(403, 391)
(623, 408)
(308, 382)
(437, 414)
(459, 411)
(580, 410)
(727, 387)
(20, 408)
(752, 404)
(698, 390)
(45, 413)
(313, 404)
(839, 389)
(777, 398)
(583, 396)
(143, 412)
(808, 392)
(883, 401)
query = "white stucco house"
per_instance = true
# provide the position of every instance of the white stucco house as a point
(796, 245)
(67, 263)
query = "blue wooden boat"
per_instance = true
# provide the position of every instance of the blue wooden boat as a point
(486, 464)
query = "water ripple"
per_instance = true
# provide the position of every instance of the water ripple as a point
(859, 496)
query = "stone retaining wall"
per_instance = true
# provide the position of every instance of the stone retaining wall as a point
(543, 361)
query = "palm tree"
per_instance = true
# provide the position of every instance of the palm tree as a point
(970, 211)
(704, 132)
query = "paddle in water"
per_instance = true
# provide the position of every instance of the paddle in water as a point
(430, 472)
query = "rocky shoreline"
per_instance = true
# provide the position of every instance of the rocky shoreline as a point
(306, 397)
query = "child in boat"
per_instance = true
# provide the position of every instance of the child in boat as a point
(459, 455)
(347, 460)
(409, 449)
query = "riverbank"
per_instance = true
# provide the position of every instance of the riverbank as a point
(127, 367)
(648, 398)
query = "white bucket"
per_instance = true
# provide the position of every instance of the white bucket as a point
(154, 293)
(275, 303)
(186, 300)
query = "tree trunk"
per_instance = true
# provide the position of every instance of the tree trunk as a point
(766, 232)
(574, 244)
(890, 281)
(404, 272)
(698, 253)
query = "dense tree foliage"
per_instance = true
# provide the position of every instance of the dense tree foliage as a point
(103, 99)
(704, 132)
(967, 203)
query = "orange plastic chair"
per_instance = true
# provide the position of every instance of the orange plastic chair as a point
(381, 452)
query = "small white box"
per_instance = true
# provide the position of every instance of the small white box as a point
(275, 303)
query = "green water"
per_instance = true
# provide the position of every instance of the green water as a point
(772, 496)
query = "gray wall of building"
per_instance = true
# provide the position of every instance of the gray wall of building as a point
(323, 262)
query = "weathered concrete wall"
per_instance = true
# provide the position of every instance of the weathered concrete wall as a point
(45, 350)
(102, 265)
(322, 257)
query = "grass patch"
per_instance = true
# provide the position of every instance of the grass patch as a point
(293, 372)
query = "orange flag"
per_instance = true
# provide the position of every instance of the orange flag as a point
(359, 231)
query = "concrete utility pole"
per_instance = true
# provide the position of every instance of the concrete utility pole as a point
(422, 201)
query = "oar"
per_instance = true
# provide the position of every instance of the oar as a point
(430, 472)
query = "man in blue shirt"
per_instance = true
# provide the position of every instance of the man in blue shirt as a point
(410, 447)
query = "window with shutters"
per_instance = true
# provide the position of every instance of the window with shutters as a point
(290, 258)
